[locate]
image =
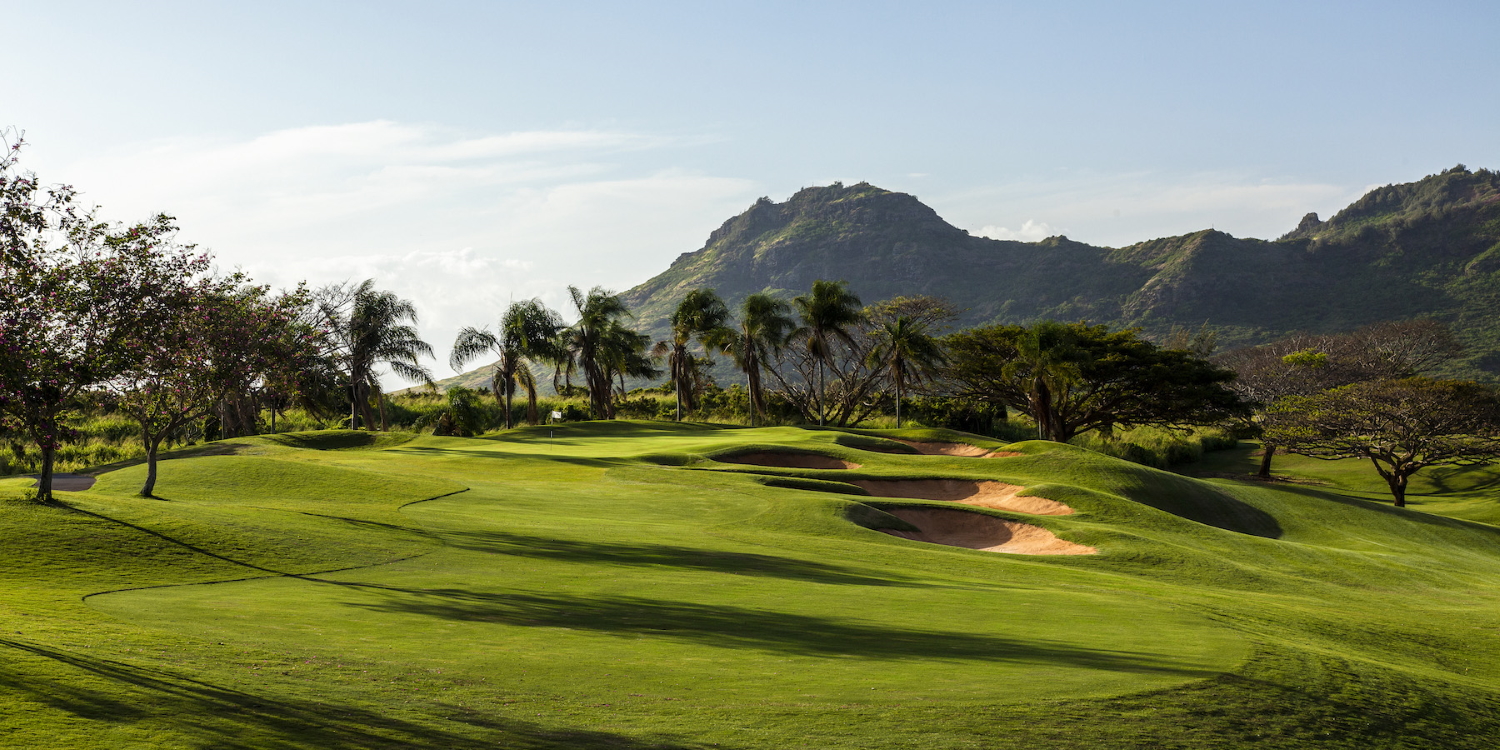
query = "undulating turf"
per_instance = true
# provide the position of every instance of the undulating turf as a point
(610, 585)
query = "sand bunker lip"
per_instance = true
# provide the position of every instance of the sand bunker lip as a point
(788, 460)
(986, 494)
(956, 449)
(957, 528)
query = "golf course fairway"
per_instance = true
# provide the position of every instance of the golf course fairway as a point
(613, 585)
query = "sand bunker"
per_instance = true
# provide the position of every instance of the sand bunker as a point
(790, 460)
(957, 449)
(69, 482)
(998, 495)
(957, 528)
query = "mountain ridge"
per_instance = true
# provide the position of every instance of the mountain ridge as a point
(1429, 248)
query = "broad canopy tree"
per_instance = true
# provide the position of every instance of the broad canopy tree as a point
(74, 292)
(212, 339)
(1305, 364)
(1401, 426)
(1072, 378)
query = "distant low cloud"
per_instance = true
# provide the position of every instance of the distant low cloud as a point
(461, 223)
(1030, 231)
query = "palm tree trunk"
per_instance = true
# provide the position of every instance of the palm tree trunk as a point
(677, 382)
(385, 423)
(510, 392)
(898, 399)
(367, 414)
(821, 392)
(752, 377)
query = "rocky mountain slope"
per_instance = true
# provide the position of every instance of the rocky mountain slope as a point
(1425, 249)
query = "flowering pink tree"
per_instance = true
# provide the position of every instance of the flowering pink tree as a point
(73, 292)
(209, 339)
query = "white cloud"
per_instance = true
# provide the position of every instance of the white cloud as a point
(1030, 231)
(459, 223)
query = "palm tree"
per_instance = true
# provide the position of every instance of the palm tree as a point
(828, 311)
(592, 339)
(908, 352)
(526, 333)
(622, 351)
(1049, 358)
(371, 328)
(702, 315)
(764, 326)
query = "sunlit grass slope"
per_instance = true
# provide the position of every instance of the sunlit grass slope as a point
(615, 586)
(1468, 492)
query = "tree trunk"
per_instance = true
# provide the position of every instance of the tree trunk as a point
(531, 415)
(1041, 405)
(367, 415)
(1265, 461)
(149, 488)
(1397, 483)
(385, 424)
(898, 402)
(822, 392)
(510, 394)
(44, 479)
(677, 384)
(752, 378)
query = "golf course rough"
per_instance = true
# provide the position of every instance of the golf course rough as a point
(620, 585)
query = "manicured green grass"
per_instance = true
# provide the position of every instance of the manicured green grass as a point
(1467, 492)
(611, 585)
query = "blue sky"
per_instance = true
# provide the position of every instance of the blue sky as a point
(466, 154)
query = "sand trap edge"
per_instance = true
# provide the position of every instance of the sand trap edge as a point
(981, 532)
(984, 493)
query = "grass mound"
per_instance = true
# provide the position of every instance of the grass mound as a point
(338, 440)
(602, 586)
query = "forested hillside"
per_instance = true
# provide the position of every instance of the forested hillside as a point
(1424, 249)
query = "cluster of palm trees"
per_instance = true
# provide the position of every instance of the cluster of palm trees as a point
(599, 345)
(824, 351)
(831, 357)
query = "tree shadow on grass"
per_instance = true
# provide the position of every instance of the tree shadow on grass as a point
(113, 693)
(1454, 480)
(666, 556)
(733, 627)
(1384, 507)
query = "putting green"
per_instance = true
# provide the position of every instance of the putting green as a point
(611, 585)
